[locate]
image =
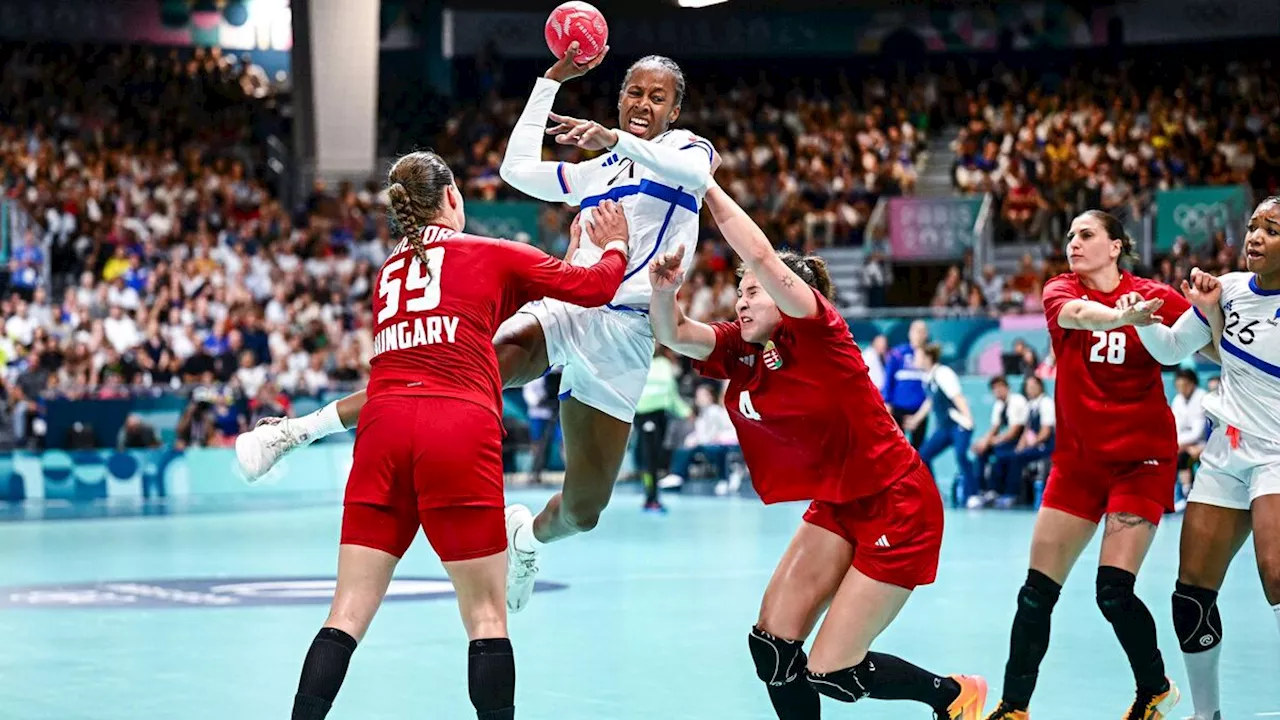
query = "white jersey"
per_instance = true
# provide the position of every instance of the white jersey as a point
(660, 184)
(1249, 397)
(662, 217)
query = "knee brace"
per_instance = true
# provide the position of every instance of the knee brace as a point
(847, 685)
(1115, 592)
(778, 661)
(1196, 619)
(1038, 596)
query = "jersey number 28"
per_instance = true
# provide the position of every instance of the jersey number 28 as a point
(1109, 347)
(416, 280)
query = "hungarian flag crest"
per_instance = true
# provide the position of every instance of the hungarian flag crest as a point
(772, 358)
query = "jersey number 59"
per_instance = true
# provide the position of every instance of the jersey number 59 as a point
(1109, 347)
(416, 280)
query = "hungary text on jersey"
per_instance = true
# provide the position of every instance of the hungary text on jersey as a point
(434, 322)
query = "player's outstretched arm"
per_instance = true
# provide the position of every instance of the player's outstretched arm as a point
(1172, 345)
(1090, 315)
(793, 296)
(544, 276)
(671, 326)
(690, 167)
(523, 167)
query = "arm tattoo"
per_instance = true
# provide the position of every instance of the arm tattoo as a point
(1118, 522)
(788, 280)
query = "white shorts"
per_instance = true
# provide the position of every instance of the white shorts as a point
(1233, 477)
(605, 353)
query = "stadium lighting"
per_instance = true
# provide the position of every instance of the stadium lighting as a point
(698, 3)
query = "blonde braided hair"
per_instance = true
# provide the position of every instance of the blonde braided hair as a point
(416, 189)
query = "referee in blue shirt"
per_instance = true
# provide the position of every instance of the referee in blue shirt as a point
(904, 381)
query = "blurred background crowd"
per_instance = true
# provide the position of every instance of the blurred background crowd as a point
(155, 247)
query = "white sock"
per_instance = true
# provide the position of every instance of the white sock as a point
(321, 423)
(524, 539)
(1202, 679)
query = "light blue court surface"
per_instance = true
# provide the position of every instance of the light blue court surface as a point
(652, 623)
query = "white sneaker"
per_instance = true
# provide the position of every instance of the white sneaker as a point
(258, 450)
(522, 566)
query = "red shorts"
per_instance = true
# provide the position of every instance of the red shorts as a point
(896, 534)
(1090, 489)
(430, 462)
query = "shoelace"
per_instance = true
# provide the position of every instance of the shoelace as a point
(285, 438)
(527, 564)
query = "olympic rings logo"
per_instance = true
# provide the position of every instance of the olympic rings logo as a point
(1200, 217)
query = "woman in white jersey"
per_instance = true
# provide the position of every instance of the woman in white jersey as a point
(1238, 485)
(659, 176)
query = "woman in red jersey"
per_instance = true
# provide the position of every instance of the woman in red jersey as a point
(814, 427)
(428, 450)
(1115, 458)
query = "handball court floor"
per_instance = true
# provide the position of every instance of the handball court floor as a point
(651, 621)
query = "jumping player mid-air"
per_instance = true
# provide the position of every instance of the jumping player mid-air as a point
(428, 452)
(814, 427)
(1114, 460)
(658, 175)
(1238, 484)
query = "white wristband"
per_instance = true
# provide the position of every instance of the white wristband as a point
(618, 245)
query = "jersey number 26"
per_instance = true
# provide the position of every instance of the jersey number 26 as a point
(1108, 348)
(416, 280)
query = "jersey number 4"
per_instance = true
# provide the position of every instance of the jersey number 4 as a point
(1109, 347)
(746, 408)
(428, 283)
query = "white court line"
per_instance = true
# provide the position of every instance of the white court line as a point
(1269, 714)
(662, 576)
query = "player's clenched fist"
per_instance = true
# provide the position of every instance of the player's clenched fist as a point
(1204, 290)
(664, 271)
(608, 224)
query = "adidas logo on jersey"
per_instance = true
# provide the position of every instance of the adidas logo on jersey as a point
(1151, 462)
(748, 360)
(883, 542)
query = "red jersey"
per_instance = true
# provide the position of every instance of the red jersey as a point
(434, 326)
(811, 423)
(1109, 391)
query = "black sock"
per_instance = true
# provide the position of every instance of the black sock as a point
(1029, 639)
(1134, 627)
(322, 673)
(893, 678)
(796, 700)
(886, 677)
(491, 678)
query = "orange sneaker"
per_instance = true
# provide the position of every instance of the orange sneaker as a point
(1154, 707)
(972, 700)
(1004, 712)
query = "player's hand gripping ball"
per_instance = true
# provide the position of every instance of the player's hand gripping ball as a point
(577, 21)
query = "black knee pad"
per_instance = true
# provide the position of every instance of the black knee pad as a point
(1195, 618)
(778, 661)
(1115, 591)
(847, 685)
(1038, 596)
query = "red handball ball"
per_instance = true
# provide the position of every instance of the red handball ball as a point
(577, 21)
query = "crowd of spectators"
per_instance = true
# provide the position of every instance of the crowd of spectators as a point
(1110, 136)
(156, 252)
